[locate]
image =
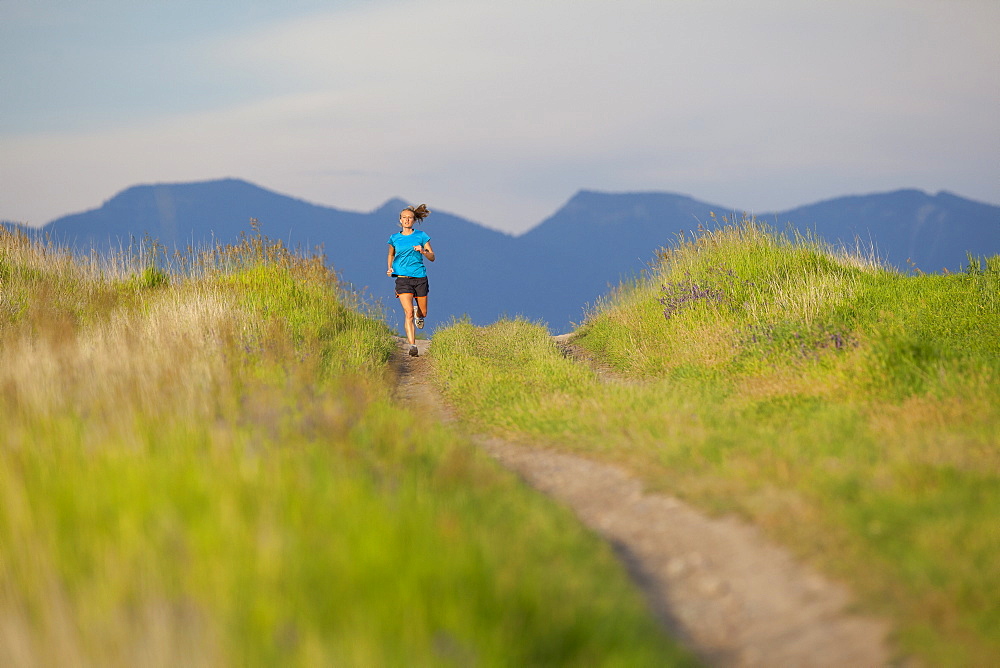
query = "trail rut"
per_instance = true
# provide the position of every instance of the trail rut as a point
(716, 584)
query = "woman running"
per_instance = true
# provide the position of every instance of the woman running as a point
(407, 250)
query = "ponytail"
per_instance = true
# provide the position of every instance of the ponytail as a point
(419, 212)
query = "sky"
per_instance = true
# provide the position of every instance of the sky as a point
(498, 111)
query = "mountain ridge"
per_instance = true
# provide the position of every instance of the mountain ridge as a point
(548, 273)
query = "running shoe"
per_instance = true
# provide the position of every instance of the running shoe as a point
(419, 322)
(413, 351)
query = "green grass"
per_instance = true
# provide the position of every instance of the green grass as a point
(849, 411)
(200, 464)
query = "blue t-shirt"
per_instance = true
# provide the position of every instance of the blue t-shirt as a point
(406, 261)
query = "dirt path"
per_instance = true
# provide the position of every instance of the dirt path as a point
(717, 585)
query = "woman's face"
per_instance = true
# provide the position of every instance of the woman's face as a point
(406, 219)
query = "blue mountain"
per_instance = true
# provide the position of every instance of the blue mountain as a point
(550, 273)
(908, 228)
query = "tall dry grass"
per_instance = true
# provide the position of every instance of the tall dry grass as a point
(200, 464)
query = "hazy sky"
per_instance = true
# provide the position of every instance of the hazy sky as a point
(498, 111)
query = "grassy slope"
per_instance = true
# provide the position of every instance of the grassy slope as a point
(207, 469)
(849, 411)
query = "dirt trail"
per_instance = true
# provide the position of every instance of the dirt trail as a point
(716, 584)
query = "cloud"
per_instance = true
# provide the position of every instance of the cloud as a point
(469, 104)
(524, 70)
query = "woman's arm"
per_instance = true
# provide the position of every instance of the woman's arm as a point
(392, 254)
(428, 252)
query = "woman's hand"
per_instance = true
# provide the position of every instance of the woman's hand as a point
(419, 249)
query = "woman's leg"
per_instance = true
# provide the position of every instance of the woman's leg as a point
(406, 300)
(422, 307)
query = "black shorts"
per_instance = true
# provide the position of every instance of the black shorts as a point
(415, 286)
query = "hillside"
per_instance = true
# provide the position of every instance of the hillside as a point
(213, 469)
(850, 413)
(549, 274)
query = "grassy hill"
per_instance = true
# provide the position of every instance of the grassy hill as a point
(200, 464)
(200, 459)
(850, 411)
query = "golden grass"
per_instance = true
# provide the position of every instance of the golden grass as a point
(205, 468)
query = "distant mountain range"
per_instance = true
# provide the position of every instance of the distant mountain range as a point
(550, 273)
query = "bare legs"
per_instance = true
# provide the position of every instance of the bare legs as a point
(406, 300)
